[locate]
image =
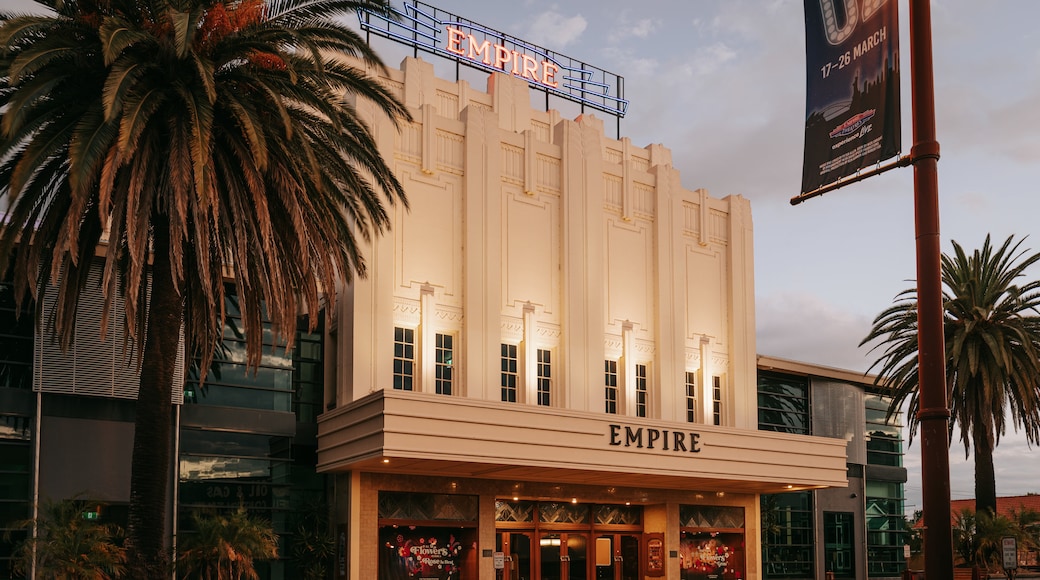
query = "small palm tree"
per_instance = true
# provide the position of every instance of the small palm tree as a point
(70, 547)
(313, 545)
(225, 546)
(977, 538)
(992, 335)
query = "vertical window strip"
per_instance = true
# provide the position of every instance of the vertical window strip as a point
(404, 358)
(445, 360)
(691, 397)
(611, 388)
(716, 399)
(641, 391)
(544, 378)
(510, 373)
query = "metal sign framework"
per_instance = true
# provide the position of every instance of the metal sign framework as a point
(427, 28)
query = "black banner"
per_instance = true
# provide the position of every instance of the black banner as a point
(852, 88)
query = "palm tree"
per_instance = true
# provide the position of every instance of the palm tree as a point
(204, 140)
(225, 546)
(992, 336)
(68, 546)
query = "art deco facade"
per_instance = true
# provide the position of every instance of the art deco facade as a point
(550, 371)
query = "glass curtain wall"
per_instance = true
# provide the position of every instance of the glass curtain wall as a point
(788, 549)
(16, 424)
(884, 499)
(787, 519)
(227, 463)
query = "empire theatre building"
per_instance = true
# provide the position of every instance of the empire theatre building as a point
(549, 372)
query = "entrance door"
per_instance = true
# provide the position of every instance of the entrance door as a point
(839, 536)
(517, 549)
(564, 556)
(617, 557)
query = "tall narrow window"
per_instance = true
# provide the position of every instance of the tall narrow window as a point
(641, 393)
(716, 399)
(611, 388)
(544, 378)
(691, 397)
(404, 358)
(445, 360)
(510, 374)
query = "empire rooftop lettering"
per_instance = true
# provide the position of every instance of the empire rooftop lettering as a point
(505, 60)
(430, 29)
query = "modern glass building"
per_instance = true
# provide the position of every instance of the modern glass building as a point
(243, 439)
(851, 532)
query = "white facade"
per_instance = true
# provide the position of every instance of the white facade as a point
(540, 240)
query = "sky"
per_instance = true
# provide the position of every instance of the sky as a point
(722, 84)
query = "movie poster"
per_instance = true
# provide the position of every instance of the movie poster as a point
(852, 88)
(425, 553)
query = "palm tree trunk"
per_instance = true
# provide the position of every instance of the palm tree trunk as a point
(985, 476)
(146, 528)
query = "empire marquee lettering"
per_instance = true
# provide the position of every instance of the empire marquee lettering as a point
(681, 441)
(509, 61)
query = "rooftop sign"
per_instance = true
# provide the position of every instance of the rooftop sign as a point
(427, 28)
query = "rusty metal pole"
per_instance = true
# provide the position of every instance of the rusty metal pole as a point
(934, 414)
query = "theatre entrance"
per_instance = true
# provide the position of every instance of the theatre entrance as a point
(568, 556)
(557, 541)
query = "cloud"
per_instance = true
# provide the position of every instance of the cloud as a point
(556, 30)
(709, 59)
(629, 27)
(806, 328)
(643, 28)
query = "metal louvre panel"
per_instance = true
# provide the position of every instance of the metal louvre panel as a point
(92, 366)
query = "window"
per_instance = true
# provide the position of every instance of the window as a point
(788, 546)
(308, 373)
(641, 393)
(544, 378)
(510, 374)
(716, 400)
(16, 340)
(230, 382)
(611, 388)
(885, 535)
(16, 453)
(444, 361)
(884, 435)
(404, 358)
(783, 403)
(691, 397)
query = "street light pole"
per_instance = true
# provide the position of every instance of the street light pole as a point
(934, 413)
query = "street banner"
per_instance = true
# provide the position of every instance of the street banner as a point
(852, 88)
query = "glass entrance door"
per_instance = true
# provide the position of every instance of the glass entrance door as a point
(564, 556)
(839, 535)
(617, 557)
(516, 546)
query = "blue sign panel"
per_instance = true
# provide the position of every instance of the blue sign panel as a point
(464, 41)
(852, 88)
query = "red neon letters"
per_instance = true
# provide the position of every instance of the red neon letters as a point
(509, 61)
